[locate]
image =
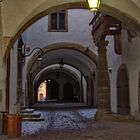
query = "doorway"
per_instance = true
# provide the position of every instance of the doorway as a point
(123, 107)
(68, 92)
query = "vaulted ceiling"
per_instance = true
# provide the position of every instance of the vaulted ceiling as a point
(83, 60)
(18, 15)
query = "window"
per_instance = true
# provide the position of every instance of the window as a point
(58, 22)
(41, 85)
(41, 96)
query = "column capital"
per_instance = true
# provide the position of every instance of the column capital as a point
(102, 43)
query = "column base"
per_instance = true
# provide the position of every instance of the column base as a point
(103, 115)
(14, 125)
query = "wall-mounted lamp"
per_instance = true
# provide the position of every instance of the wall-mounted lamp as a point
(93, 5)
(22, 49)
(39, 54)
(26, 55)
(61, 63)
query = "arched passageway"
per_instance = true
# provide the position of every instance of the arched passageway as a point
(62, 85)
(78, 61)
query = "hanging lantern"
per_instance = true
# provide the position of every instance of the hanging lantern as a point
(94, 4)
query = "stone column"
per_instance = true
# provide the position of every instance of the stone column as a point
(23, 84)
(13, 80)
(89, 96)
(3, 70)
(81, 89)
(103, 84)
(2, 91)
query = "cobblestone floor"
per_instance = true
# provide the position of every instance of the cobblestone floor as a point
(77, 125)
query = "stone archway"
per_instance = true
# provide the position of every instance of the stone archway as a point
(32, 71)
(123, 105)
(37, 10)
(55, 81)
(64, 45)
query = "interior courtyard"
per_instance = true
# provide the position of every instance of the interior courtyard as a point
(67, 72)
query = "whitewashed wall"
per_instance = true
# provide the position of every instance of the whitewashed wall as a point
(79, 32)
(131, 58)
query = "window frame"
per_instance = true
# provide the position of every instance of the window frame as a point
(58, 29)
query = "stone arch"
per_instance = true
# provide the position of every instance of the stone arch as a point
(36, 15)
(57, 46)
(48, 75)
(64, 45)
(123, 102)
(70, 46)
(44, 8)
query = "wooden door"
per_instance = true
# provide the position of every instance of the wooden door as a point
(123, 107)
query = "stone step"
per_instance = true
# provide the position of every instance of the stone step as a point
(27, 110)
(34, 119)
(59, 105)
(35, 114)
(23, 107)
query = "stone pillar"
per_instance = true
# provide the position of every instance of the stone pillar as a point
(81, 89)
(89, 96)
(12, 121)
(103, 84)
(2, 74)
(13, 81)
(2, 91)
(23, 84)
